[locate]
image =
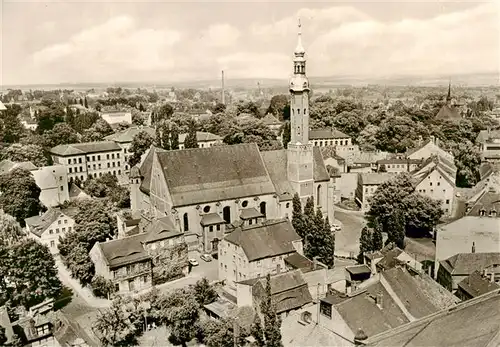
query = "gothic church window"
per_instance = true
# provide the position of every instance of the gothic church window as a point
(186, 222)
(318, 196)
(226, 214)
(263, 208)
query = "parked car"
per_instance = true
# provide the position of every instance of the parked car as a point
(206, 257)
(193, 262)
(336, 227)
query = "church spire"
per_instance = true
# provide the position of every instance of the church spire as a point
(299, 50)
(448, 97)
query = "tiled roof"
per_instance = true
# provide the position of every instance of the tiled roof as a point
(46, 177)
(147, 168)
(249, 213)
(85, 148)
(389, 259)
(269, 119)
(7, 166)
(212, 174)
(76, 192)
(375, 178)
(124, 251)
(276, 165)
(446, 169)
(467, 263)
(201, 137)
(320, 172)
(447, 112)
(69, 333)
(128, 135)
(362, 312)
(327, 134)
(419, 294)
(161, 229)
(358, 269)
(487, 202)
(398, 161)
(472, 323)
(485, 135)
(288, 290)
(330, 152)
(269, 239)
(298, 261)
(475, 284)
(39, 224)
(211, 219)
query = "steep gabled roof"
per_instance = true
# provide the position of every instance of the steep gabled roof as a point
(200, 175)
(448, 113)
(124, 251)
(7, 166)
(161, 229)
(475, 284)
(269, 119)
(269, 239)
(472, 323)
(39, 224)
(488, 201)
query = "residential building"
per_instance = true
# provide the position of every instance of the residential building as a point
(329, 137)
(474, 285)
(332, 159)
(289, 292)
(53, 184)
(204, 139)
(315, 273)
(398, 165)
(113, 117)
(89, 159)
(429, 149)
(459, 266)
(76, 193)
(124, 140)
(252, 251)
(137, 262)
(51, 226)
(436, 179)
(387, 300)
(367, 186)
(471, 323)
(389, 257)
(355, 275)
(478, 229)
(489, 145)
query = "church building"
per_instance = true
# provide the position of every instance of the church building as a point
(205, 189)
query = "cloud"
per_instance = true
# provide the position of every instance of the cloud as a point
(114, 45)
(220, 35)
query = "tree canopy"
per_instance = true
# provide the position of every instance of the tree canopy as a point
(140, 144)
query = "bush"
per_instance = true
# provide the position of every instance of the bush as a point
(162, 274)
(102, 287)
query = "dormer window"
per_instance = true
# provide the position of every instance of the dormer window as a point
(493, 213)
(482, 212)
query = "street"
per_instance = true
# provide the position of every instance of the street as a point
(347, 240)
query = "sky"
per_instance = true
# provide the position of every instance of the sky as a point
(160, 41)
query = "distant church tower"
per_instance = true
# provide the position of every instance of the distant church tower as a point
(300, 152)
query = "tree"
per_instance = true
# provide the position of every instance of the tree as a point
(60, 134)
(309, 217)
(179, 312)
(217, 333)
(33, 274)
(191, 140)
(272, 322)
(164, 112)
(395, 228)
(257, 332)
(20, 195)
(377, 240)
(365, 244)
(468, 161)
(298, 219)
(277, 105)
(204, 293)
(11, 125)
(286, 133)
(49, 117)
(85, 103)
(102, 287)
(320, 241)
(97, 132)
(3, 336)
(219, 108)
(421, 213)
(140, 144)
(19, 153)
(80, 265)
(10, 230)
(118, 325)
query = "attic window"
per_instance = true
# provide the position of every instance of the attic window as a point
(206, 209)
(493, 213)
(244, 204)
(482, 212)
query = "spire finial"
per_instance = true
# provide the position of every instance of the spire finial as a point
(299, 49)
(448, 97)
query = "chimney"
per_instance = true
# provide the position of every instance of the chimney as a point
(359, 337)
(223, 96)
(473, 247)
(492, 277)
(379, 299)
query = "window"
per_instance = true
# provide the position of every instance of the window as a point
(430, 183)
(109, 165)
(263, 208)
(99, 166)
(98, 157)
(117, 155)
(62, 188)
(218, 227)
(118, 164)
(57, 230)
(447, 201)
(119, 171)
(186, 222)
(93, 158)
(211, 228)
(59, 222)
(439, 183)
(325, 309)
(69, 161)
(117, 287)
(93, 166)
(69, 228)
(226, 214)
(298, 111)
(70, 170)
(51, 231)
(250, 221)
(112, 156)
(52, 244)
(63, 230)
(107, 156)
(79, 160)
(318, 196)
(287, 205)
(65, 221)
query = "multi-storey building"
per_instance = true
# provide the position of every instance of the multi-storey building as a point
(398, 165)
(329, 137)
(51, 226)
(90, 159)
(489, 145)
(124, 140)
(203, 139)
(252, 251)
(367, 186)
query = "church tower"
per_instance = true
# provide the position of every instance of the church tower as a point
(300, 152)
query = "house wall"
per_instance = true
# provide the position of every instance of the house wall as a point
(335, 323)
(317, 282)
(234, 265)
(428, 150)
(58, 193)
(50, 236)
(118, 117)
(91, 165)
(97, 257)
(438, 188)
(203, 144)
(133, 277)
(331, 142)
(364, 193)
(347, 184)
(341, 167)
(244, 295)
